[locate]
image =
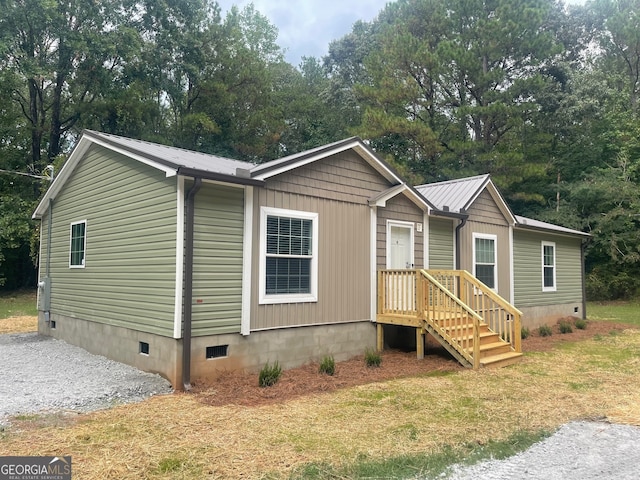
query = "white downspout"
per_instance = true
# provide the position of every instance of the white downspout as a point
(247, 245)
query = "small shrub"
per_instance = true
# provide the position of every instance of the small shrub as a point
(581, 324)
(269, 374)
(524, 333)
(328, 365)
(372, 358)
(565, 327)
(545, 331)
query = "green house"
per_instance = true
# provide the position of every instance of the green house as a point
(189, 264)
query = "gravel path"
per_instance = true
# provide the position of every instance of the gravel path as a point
(41, 373)
(577, 451)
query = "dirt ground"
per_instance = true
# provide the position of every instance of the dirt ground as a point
(234, 388)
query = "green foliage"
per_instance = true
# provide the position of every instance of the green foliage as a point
(18, 303)
(524, 333)
(433, 465)
(328, 365)
(622, 312)
(372, 358)
(270, 374)
(565, 326)
(581, 324)
(545, 331)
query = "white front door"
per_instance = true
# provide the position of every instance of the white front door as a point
(400, 287)
(399, 245)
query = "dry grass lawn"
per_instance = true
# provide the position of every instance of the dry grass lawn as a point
(182, 436)
(19, 324)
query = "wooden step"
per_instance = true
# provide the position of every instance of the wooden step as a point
(483, 327)
(485, 337)
(492, 349)
(501, 360)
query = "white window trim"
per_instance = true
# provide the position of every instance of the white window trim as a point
(487, 236)
(555, 285)
(265, 299)
(84, 247)
(401, 224)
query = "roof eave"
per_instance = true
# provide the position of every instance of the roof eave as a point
(277, 167)
(572, 234)
(219, 177)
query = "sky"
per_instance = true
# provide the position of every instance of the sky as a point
(307, 26)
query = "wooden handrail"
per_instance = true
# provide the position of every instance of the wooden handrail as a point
(475, 357)
(451, 304)
(510, 333)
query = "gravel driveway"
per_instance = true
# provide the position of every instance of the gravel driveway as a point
(577, 451)
(44, 374)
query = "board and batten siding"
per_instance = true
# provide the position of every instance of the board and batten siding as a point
(527, 253)
(399, 208)
(217, 265)
(129, 274)
(441, 250)
(337, 188)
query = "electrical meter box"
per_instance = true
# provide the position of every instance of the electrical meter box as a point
(44, 294)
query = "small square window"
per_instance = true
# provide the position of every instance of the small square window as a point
(144, 348)
(217, 351)
(53, 324)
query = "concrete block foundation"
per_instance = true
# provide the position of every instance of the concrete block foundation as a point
(291, 347)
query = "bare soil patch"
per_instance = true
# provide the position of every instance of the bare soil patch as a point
(236, 388)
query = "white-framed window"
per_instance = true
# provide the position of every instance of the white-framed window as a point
(548, 267)
(288, 256)
(77, 244)
(485, 261)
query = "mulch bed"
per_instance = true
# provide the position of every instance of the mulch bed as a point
(235, 388)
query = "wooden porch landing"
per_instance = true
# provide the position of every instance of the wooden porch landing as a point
(477, 326)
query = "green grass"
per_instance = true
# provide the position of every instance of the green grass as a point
(14, 304)
(428, 466)
(620, 312)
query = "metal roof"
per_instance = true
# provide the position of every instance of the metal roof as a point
(524, 222)
(173, 157)
(454, 195)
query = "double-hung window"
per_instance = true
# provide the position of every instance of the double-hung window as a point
(548, 267)
(484, 259)
(288, 256)
(77, 244)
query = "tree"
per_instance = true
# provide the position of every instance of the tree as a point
(57, 57)
(453, 84)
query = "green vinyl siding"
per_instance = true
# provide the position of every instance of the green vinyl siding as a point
(441, 254)
(217, 265)
(128, 279)
(527, 254)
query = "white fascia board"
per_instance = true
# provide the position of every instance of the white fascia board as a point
(303, 162)
(76, 155)
(247, 246)
(396, 190)
(355, 145)
(497, 197)
(60, 179)
(179, 287)
(169, 171)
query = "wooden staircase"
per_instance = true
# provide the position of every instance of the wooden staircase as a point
(477, 326)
